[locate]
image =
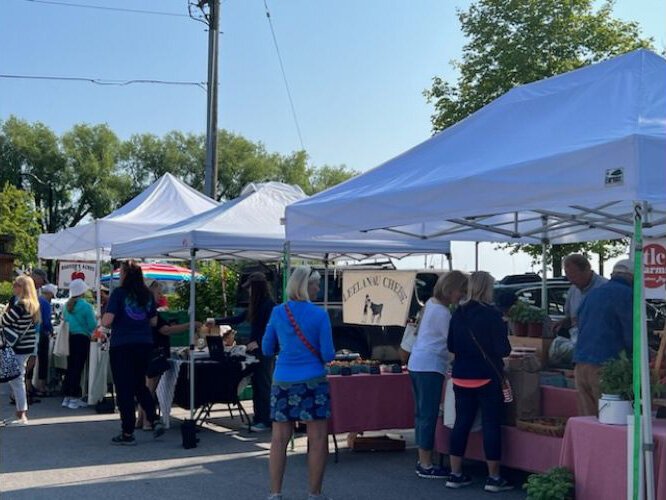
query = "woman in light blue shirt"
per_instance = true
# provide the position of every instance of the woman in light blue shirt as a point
(80, 316)
(300, 333)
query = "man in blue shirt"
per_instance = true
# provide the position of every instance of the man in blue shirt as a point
(605, 330)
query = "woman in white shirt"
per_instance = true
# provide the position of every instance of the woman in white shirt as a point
(428, 364)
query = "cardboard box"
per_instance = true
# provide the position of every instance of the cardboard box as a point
(540, 344)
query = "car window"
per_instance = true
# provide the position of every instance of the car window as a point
(556, 299)
(531, 295)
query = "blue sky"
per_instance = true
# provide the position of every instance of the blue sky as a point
(357, 69)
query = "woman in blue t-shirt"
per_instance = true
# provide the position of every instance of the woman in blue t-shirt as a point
(131, 314)
(301, 332)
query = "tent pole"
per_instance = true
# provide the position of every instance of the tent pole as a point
(637, 249)
(640, 328)
(193, 253)
(476, 255)
(544, 265)
(326, 283)
(449, 257)
(98, 271)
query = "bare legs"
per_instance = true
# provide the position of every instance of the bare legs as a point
(317, 453)
(281, 435)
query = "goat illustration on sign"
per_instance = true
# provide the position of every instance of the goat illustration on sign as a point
(375, 309)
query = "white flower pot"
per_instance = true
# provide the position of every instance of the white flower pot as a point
(614, 410)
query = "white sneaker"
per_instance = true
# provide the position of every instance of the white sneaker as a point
(65, 402)
(82, 403)
(73, 404)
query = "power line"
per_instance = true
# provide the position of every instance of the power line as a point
(106, 81)
(284, 76)
(99, 7)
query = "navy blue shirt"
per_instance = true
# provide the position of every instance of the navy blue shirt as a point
(45, 327)
(490, 332)
(131, 322)
(605, 323)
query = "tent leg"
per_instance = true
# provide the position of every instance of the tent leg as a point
(193, 254)
(544, 266)
(476, 255)
(98, 271)
(644, 395)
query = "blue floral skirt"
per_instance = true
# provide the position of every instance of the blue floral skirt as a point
(300, 401)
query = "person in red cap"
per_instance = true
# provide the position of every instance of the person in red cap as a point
(257, 314)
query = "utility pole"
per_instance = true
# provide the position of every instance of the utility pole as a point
(213, 21)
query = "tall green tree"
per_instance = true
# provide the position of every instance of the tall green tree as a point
(20, 220)
(513, 42)
(31, 158)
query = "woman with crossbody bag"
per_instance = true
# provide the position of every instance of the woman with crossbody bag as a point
(18, 326)
(300, 333)
(478, 338)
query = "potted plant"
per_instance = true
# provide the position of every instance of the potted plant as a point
(555, 484)
(617, 390)
(518, 314)
(535, 317)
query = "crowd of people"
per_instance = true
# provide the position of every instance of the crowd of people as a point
(459, 334)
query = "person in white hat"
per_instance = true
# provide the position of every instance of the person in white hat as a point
(604, 331)
(80, 315)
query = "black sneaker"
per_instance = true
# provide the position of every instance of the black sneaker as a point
(158, 429)
(432, 472)
(458, 481)
(123, 440)
(496, 485)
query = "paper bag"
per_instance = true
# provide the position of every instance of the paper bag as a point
(523, 374)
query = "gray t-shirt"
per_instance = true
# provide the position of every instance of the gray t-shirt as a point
(575, 295)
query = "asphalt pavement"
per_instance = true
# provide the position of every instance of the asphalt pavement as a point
(66, 454)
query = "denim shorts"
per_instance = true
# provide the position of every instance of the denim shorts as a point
(300, 401)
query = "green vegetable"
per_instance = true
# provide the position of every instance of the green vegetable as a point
(555, 484)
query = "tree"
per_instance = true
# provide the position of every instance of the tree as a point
(20, 220)
(512, 42)
(31, 158)
(93, 152)
(328, 176)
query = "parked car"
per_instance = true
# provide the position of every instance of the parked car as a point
(527, 287)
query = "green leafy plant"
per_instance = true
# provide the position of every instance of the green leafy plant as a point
(555, 484)
(5, 292)
(615, 377)
(209, 292)
(535, 315)
(519, 312)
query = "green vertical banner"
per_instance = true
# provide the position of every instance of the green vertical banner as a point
(638, 303)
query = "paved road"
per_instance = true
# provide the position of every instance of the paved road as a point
(65, 454)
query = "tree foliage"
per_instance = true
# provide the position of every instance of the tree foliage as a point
(513, 42)
(19, 219)
(87, 172)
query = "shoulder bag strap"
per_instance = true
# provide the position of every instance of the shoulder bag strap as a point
(300, 334)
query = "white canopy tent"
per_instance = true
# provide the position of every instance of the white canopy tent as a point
(577, 157)
(166, 201)
(250, 227)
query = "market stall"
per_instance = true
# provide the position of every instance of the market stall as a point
(576, 157)
(251, 227)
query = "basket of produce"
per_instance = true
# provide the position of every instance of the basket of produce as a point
(546, 426)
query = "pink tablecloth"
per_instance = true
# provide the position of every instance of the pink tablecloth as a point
(597, 455)
(371, 402)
